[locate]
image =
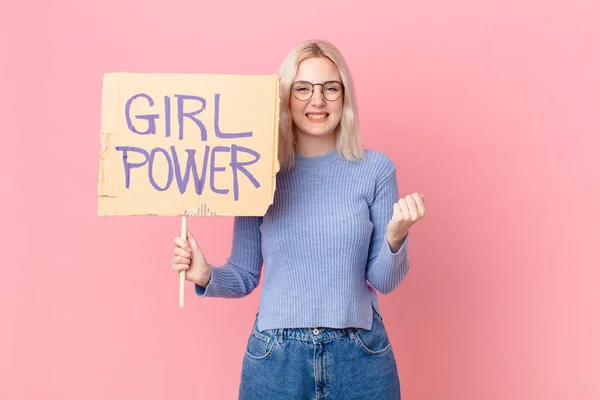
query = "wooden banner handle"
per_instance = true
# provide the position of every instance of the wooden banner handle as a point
(182, 273)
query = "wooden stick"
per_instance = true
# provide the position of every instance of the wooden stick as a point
(182, 273)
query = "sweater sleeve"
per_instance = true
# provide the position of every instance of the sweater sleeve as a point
(385, 270)
(241, 273)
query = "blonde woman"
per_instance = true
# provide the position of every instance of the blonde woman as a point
(335, 234)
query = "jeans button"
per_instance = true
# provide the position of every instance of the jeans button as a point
(315, 331)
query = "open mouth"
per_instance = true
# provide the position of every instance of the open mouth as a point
(317, 117)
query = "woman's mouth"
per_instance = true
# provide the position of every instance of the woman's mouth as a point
(317, 117)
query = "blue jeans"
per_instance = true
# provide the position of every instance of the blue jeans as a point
(319, 364)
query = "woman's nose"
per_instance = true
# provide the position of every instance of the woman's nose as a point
(317, 97)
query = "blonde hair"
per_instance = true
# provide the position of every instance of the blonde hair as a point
(349, 143)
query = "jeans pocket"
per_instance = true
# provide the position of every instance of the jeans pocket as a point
(374, 342)
(259, 345)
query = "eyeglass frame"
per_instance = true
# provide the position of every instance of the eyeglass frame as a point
(312, 91)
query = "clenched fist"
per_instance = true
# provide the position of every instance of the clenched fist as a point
(407, 211)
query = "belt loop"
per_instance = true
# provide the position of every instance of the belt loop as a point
(351, 333)
(280, 335)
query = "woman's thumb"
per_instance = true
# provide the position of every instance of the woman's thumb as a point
(192, 241)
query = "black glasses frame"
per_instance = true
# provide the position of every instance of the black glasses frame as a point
(312, 90)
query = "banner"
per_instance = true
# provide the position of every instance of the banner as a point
(188, 144)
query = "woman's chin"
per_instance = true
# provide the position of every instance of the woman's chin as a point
(317, 132)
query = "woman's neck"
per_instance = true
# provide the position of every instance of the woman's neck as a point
(313, 146)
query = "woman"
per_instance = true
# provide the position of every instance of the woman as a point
(335, 233)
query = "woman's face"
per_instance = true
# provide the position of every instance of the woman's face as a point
(317, 116)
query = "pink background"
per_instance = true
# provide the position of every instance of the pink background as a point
(489, 108)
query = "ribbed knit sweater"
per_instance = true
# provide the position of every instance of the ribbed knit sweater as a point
(322, 243)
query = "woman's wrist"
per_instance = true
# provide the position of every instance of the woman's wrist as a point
(204, 279)
(395, 240)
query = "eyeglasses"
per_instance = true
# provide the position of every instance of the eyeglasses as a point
(331, 90)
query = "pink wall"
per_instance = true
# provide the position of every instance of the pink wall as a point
(489, 108)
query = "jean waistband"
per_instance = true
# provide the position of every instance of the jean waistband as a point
(315, 334)
(311, 334)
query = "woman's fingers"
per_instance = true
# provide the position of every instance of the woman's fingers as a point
(412, 208)
(177, 268)
(420, 202)
(180, 264)
(182, 244)
(182, 253)
(181, 259)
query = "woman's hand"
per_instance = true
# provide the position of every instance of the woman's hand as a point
(407, 211)
(188, 257)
